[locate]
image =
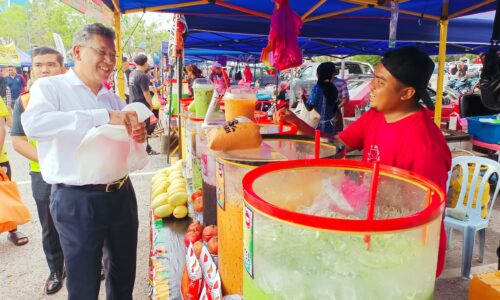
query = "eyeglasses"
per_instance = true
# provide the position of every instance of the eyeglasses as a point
(101, 52)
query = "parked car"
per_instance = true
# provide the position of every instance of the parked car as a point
(359, 94)
(352, 69)
(306, 76)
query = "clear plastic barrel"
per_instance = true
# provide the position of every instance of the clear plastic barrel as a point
(230, 169)
(331, 229)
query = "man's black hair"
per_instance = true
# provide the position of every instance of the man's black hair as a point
(47, 50)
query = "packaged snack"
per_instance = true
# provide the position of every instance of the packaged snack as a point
(191, 281)
(240, 133)
(209, 270)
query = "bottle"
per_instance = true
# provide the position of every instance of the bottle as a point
(452, 124)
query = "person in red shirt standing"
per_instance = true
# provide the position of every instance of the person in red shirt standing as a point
(396, 130)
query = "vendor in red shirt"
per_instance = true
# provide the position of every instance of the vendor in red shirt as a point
(397, 131)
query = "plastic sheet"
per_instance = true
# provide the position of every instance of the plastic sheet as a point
(107, 153)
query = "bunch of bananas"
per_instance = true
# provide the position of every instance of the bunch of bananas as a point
(168, 192)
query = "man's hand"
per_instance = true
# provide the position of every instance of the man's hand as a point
(139, 134)
(129, 118)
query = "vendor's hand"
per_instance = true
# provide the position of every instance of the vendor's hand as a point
(284, 115)
(127, 118)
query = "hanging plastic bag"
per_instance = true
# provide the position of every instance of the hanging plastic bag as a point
(283, 37)
(111, 146)
(13, 211)
(156, 102)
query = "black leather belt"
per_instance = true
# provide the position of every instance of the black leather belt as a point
(108, 188)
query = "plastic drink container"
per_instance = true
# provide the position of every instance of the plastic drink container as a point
(239, 101)
(338, 229)
(203, 90)
(230, 168)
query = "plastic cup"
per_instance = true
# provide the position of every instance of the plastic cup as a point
(240, 101)
(203, 89)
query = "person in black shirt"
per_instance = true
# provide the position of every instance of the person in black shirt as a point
(139, 92)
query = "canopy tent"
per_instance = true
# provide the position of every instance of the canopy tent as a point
(340, 19)
(309, 10)
(209, 53)
(24, 57)
(253, 44)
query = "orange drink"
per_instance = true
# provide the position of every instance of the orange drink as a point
(239, 101)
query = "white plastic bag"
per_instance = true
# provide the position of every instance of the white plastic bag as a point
(312, 117)
(107, 153)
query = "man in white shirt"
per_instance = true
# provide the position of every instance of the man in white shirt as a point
(87, 215)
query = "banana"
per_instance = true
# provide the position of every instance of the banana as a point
(178, 187)
(180, 212)
(159, 189)
(158, 177)
(178, 198)
(160, 183)
(159, 200)
(164, 211)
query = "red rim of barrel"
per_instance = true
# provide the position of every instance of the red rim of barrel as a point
(425, 216)
(292, 128)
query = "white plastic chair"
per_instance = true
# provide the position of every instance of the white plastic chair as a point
(475, 221)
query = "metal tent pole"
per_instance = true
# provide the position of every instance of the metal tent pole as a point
(443, 24)
(179, 96)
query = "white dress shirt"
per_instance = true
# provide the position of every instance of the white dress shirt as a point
(61, 110)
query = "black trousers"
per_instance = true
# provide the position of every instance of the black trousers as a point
(90, 223)
(150, 128)
(50, 237)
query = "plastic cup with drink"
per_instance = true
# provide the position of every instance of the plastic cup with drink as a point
(203, 90)
(240, 101)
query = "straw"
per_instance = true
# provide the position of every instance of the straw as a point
(425, 229)
(372, 196)
(317, 137)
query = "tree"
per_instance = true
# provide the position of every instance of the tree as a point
(34, 23)
(373, 60)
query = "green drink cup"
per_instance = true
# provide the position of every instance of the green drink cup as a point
(203, 90)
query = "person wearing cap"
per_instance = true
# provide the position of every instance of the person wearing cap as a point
(139, 91)
(217, 78)
(397, 131)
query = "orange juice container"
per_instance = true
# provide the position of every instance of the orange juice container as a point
(240, 101)
(231, 167)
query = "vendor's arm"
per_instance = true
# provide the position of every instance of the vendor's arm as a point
(286, 116)
(353, 136)
(19, 139)
(42, 118)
